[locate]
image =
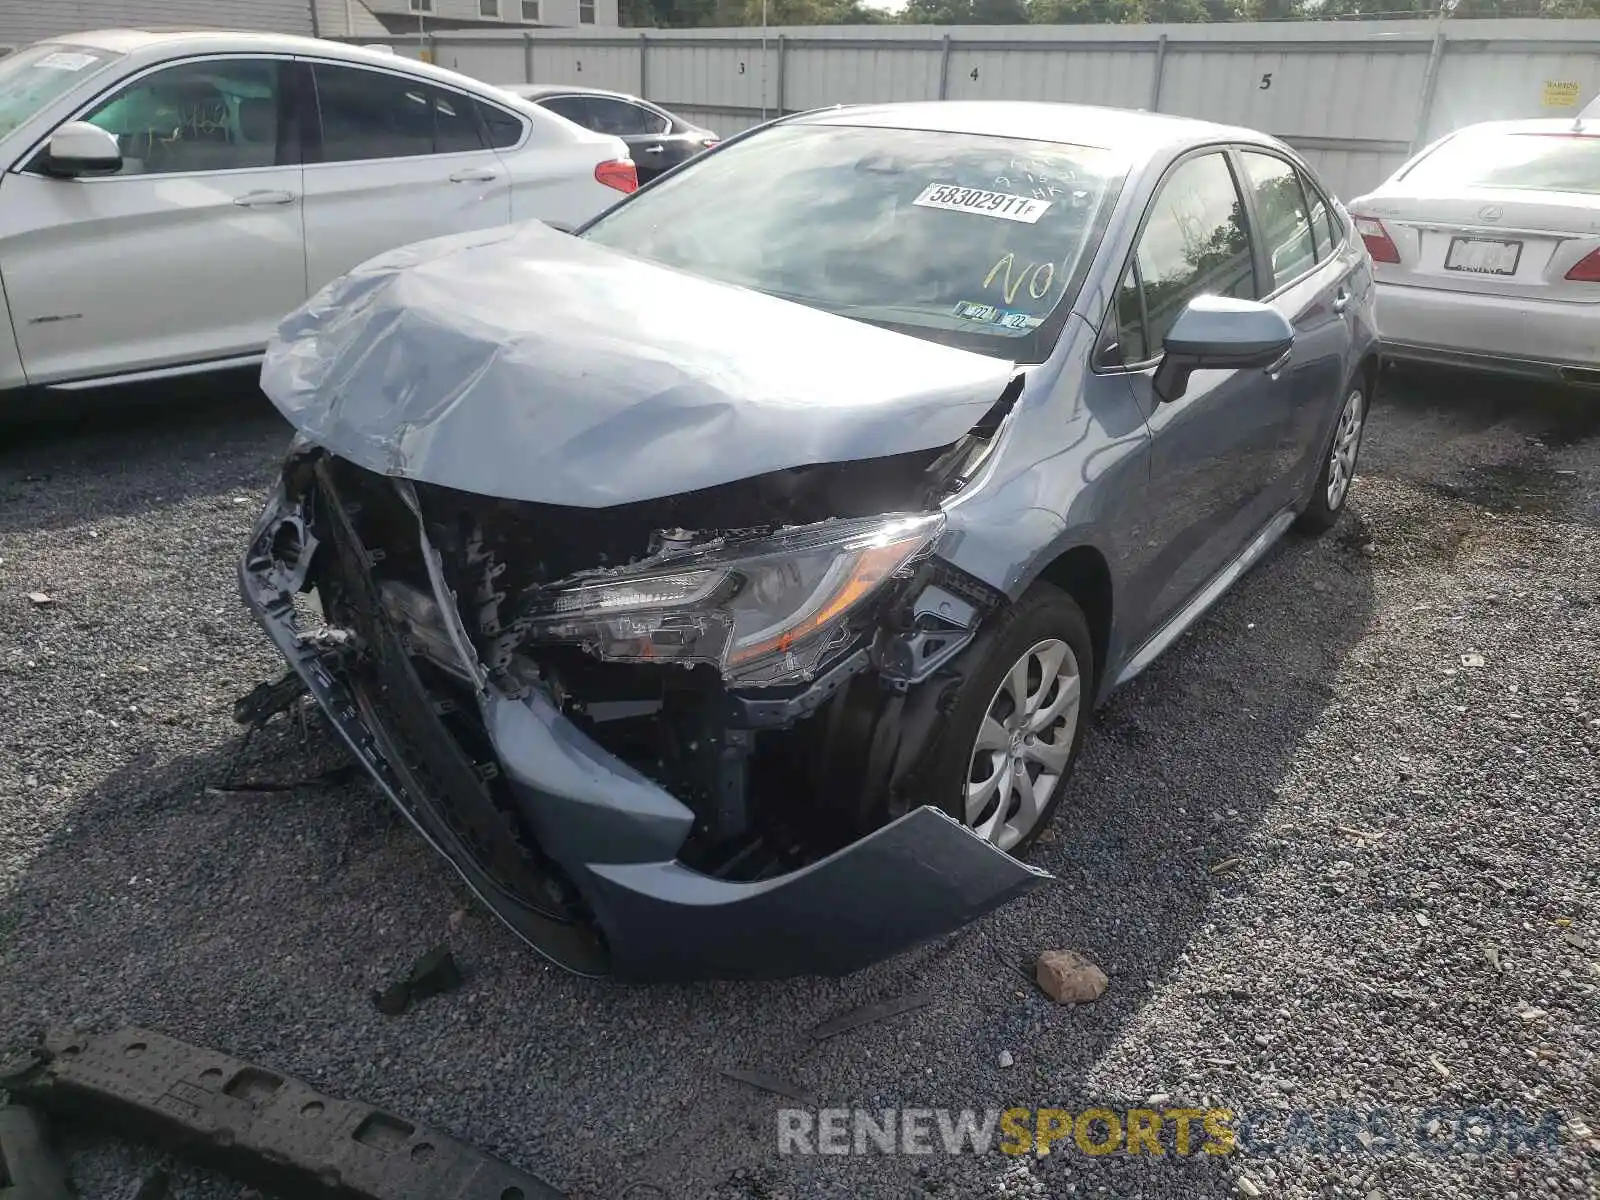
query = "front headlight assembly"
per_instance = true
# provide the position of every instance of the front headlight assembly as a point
(763, 612)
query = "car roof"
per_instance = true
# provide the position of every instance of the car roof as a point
(1535, 125)
(204, 41)
(535, 91)
(1127, 130)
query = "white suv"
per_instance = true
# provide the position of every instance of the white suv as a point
(166, 198)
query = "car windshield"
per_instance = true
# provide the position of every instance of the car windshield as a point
(32, 78)
(969, 240)
(1538, 162)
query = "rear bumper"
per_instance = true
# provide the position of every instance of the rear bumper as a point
(607, 833)
(1533, 339)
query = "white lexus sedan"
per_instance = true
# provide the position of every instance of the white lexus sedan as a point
(166, 198)
(1486, 249)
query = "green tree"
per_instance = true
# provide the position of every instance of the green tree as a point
(1084, 12)
(966, 12)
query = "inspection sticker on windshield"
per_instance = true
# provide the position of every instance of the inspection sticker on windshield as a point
(954, 198)
(63, 60)
(991, 314)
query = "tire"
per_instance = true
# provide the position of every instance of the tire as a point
(1045, 617)
(1328, 501)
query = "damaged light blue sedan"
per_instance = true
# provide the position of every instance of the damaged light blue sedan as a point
(724, 588)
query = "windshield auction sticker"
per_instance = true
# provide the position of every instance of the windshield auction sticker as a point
(954, 198)
(61, 60)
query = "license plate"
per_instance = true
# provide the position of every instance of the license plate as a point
(1482, 257)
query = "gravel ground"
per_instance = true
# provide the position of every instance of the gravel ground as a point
(1327, 858)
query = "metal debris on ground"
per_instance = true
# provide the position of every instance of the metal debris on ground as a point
(434, 973)
(869, 1013)
(255, 1125)
(40, 599)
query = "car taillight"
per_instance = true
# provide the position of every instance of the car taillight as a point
(1380, 246)
(1587, 269)
(618, 173)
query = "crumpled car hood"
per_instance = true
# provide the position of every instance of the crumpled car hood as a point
(531, 365)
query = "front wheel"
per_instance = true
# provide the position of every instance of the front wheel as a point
(1017, 724)
(1332, 488)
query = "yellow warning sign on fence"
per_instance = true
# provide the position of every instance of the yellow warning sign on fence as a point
(1560, 94)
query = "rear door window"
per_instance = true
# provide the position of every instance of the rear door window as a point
(1280, 206)
(622, 118)
(455, 123)
(1321, 219)
(374, 114)
(573, 108)
(1194, 242)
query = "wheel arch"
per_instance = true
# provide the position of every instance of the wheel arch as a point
(1084, 574)
(1367, 370)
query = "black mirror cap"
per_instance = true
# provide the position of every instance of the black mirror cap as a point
(76, 168)
(1172, 373)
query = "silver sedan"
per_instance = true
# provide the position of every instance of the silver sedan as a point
(1486, 250)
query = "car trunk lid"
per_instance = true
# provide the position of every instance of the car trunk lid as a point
(1493, 241)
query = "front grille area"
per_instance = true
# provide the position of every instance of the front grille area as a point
(430, 726)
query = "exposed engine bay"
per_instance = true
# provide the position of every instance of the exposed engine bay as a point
(778, 677)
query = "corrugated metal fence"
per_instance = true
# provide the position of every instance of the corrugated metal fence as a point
(1354, 97)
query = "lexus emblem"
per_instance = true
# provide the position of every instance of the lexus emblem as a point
(1490, 212)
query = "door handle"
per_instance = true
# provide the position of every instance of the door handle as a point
(475, 175)
(655, 149)
(263, 199)
(1341, 301)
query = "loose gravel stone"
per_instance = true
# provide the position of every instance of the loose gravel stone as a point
(1408, 835)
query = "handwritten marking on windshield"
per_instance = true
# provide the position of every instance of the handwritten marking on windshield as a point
(1038, 276)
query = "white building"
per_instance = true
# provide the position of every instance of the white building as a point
(25, 21)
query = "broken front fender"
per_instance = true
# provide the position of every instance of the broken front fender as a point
(606, 831)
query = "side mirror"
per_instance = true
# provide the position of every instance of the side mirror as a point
(79, 149)
(1220, 333)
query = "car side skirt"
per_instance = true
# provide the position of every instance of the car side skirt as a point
(1206, 597)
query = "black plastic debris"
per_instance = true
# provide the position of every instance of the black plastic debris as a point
(261, 1128)
(29, 1167)
(153, 1186)
(435, 972)
(869, 1013)
(771, 1083)
(266, 700)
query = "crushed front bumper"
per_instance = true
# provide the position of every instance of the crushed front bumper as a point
(607, 835)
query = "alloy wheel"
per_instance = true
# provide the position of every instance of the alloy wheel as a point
(1024, 743)
(1346, 445)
